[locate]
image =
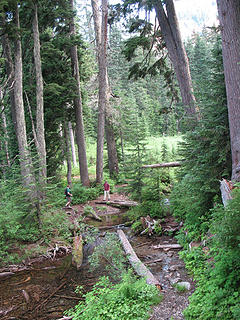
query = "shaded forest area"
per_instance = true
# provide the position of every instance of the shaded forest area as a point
(92, 92)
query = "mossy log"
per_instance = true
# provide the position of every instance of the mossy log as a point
(88, 210)
(136, 263)
(77, 252)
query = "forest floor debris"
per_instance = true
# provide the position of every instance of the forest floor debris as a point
(47, 275)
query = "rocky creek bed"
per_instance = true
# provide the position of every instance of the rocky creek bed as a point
(43, 288)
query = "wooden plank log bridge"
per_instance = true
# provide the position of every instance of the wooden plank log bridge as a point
(136, 263)
(163, 165)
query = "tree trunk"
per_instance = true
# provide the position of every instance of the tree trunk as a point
(72, 142)
(111, 147)
(171, 34)
(138, 266)
(25, 157)
(67, 152)
(229, 16)
(10, 71)
(5, 133)
(103, 91)
(82, 156)
(40, 130)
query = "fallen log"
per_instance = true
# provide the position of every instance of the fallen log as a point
(6, 274)
(168, 246)
(89, 210)
(136, 263)
(119, 204)
(163, 165)
(77, 253)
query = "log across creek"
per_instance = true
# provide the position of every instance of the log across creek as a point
(136, 263)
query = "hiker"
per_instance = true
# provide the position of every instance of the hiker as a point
(68, 196)
(106, 187)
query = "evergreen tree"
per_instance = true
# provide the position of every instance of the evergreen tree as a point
(206, 151)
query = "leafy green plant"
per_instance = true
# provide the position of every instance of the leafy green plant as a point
(218, 290)
(129, 299)
(82, 194)
(158, 228)
(110, 252)
(180, 288)
(55, 225)
(137, 226)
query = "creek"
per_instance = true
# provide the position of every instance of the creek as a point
(44, 288)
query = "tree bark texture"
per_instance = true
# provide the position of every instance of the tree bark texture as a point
(111, 143)
(111, 147)
(171, 33)
(229, 16)
(25, 157)
(138, 266)
(67, 152)
(80, 138)
(72, 142)
(3, 127)
(40, 130)
(163, 165)
(4, 147)
(9, 69)
(101, 44)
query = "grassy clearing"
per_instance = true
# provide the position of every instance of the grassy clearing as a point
(154, 145)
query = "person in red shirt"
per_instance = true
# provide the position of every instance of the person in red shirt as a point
(106, 187)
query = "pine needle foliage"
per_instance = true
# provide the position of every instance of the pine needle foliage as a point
(206, 152)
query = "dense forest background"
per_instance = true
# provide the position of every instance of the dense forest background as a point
(79, 102)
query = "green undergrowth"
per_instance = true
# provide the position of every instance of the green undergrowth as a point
(216, 266)
(21, 224)
(129, 299)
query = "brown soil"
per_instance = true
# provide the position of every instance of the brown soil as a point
(41, 288)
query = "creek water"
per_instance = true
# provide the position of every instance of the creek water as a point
(45, 288)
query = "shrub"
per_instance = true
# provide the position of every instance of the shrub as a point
(129, 299)
(218, 291)
(82, 194)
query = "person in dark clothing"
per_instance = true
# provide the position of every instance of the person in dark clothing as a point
(68, 195)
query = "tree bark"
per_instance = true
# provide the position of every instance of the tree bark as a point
(138, 266)
(72, 142)
(5, 132)
(25, 157)
(162, 165)
(103, 90)
(10, 71)
(82, 156)
(104, 94)
(229, 16)
(111, 147)
(40, 130)
(171, 33)
(67, 152)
